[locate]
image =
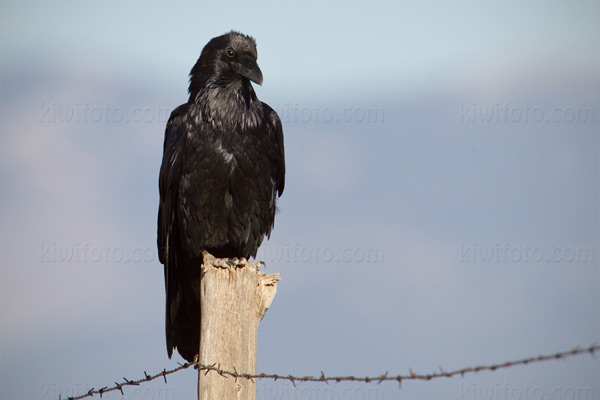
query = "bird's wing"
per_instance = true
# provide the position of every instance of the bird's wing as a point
(168, 181)
(276, 153)
(170, 172)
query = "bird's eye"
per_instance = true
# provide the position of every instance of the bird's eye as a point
(230, 52)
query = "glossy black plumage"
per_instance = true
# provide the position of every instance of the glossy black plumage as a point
(223, 168)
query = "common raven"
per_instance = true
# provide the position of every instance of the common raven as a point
(222, 170)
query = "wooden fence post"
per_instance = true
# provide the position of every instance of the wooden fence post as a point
(233, 301)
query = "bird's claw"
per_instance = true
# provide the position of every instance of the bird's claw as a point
(230, 262)
(240, 262)
(225, 262)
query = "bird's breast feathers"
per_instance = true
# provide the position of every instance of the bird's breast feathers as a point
(223, 152)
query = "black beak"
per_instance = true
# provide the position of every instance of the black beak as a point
(249, 69)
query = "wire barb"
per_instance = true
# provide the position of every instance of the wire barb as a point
(322, 378)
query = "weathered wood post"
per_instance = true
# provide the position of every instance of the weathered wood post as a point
(233, 301)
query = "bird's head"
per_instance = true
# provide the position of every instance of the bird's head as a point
(226, 59)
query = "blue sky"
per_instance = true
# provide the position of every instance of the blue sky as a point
(441, 202)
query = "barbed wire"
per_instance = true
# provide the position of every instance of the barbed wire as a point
(322, 378)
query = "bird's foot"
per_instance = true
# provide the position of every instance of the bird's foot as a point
(239, 262)
(217, 262)
(225, 262)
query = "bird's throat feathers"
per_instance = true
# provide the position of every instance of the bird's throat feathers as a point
(228, 104)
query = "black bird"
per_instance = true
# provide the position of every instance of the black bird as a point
(222, 170)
